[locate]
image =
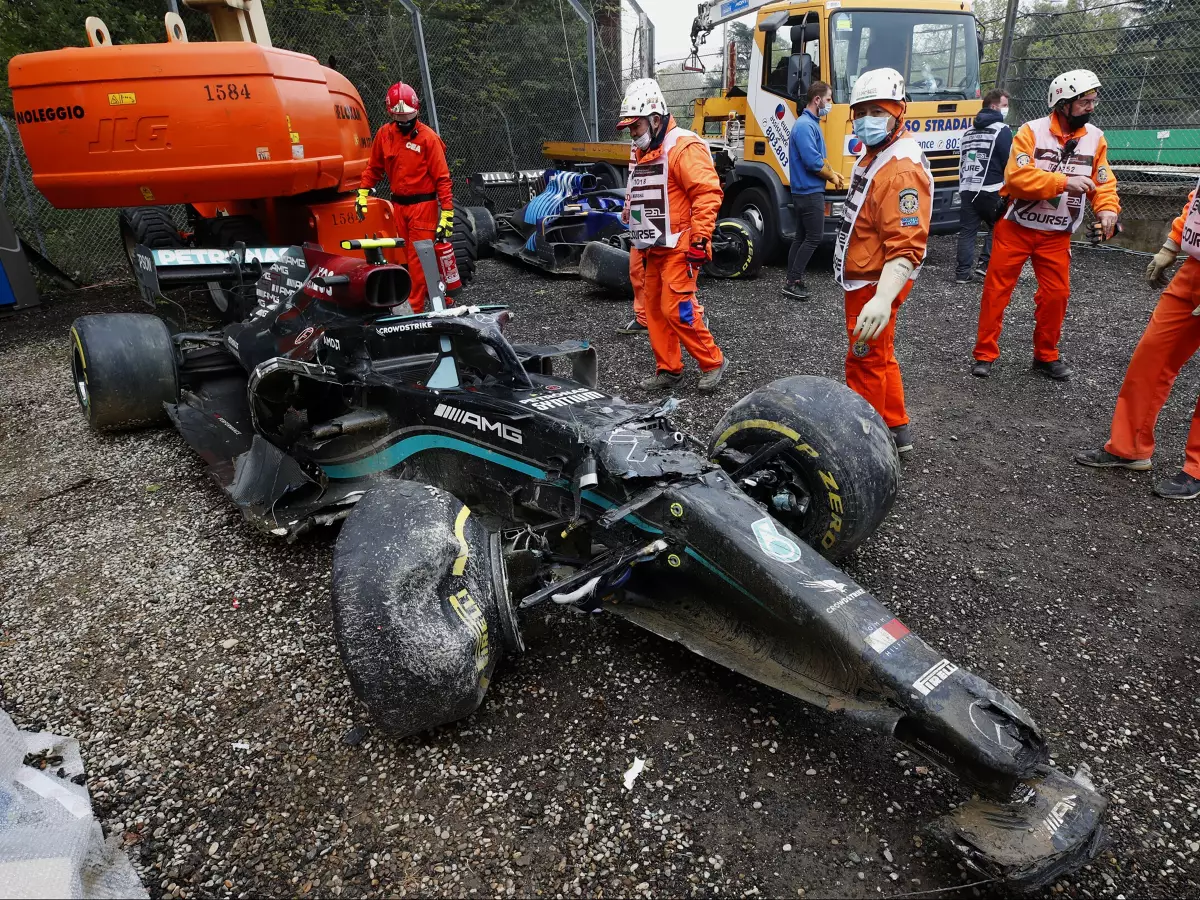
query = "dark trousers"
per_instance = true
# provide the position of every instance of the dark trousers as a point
(809, 211)
(968, 228)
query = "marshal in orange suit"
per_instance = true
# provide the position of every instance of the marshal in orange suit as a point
(1171, 338)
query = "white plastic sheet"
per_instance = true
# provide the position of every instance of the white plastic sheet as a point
(50, 844)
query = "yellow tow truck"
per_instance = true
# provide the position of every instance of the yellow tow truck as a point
(935, 44)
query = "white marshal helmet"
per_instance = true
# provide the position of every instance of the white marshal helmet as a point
(642, 98)
(1070, 85)
(878, 84)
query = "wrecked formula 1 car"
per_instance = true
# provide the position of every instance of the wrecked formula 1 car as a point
(573, 226)
(477, 479)
(564, 213)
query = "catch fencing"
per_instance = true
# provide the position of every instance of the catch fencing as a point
(505, 78)
(1147, 56)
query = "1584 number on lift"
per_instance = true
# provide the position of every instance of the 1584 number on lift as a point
(227, 92)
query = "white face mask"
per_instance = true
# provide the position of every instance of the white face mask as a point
(642, 141)
(1004, 112)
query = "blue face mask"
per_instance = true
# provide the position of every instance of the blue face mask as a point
(822, 111)
(871, 130)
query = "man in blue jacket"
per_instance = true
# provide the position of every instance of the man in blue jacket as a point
(808, 171)
(985, 149)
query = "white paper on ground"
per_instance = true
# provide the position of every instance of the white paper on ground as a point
(633, 772)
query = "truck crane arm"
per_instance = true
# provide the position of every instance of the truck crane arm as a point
(709, 16)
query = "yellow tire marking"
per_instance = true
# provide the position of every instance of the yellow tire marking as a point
(79, 347)
(768, 425)
(460, 564)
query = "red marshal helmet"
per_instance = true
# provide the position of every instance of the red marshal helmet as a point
(403, 102)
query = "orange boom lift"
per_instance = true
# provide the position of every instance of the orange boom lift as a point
(263, 146)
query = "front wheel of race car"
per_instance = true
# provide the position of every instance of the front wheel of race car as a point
(606, 266)
(483, 226)
(736, 250)
(124, 369)
(816, 455)
(421, 611)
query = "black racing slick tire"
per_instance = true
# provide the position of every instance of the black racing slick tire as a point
(755, 206)
(231, 304)
(124, 369)
(150, 226)
(466, 247)
(736, 250)
(483, 226)
(607, 266)
(834, 473)
(420, 609)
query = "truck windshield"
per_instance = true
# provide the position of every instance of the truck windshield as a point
(936, 53)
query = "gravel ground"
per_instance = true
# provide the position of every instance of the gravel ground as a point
(194, 658)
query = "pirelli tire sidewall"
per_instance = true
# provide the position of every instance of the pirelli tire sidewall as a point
(844, 455)
(415, 611)
(124, 369)
(747, 261)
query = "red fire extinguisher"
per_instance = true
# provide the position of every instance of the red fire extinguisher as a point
(447, 265)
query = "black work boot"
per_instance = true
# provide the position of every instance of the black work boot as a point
(1102, 459)
(1056, 369)
(796, 291)
(1180, 486)
(633, 326)
(902, 435)
(981, 368)
(661, 380)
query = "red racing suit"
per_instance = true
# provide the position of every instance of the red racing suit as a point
(415, 164)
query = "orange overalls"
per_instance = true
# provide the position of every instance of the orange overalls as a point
(667, 294)
(1013, 242)
(892, 222)
(1170, 340)
(416, 167)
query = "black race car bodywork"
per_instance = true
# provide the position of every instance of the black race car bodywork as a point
(479, 481)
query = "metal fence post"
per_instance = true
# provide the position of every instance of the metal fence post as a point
(648, 40)
(423, 62)
(1010, 25)
(593, 95)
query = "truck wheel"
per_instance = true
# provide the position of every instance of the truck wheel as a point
(466, 248)
(421, 611)
(753, 205)
(123, 366)
(151, 226)
(483, 223)
(835, 477)
(608, 267)
(231, 304)
(737, 250)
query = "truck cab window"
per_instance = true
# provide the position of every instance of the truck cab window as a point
(935, 52)
(779, 48)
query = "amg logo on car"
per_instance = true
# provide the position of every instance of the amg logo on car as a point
(411, 326)
(462, 417)
(1058, 814)
(544, 402)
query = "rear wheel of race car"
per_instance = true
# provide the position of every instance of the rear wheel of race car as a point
(829, 471)
(223, 232)
(466, 248)
(151, 226)
(607, 266)
(736, 250)
(753, 205)
(421, 611)
(483, 225)
(124, 369)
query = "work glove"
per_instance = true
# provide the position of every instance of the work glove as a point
(445, 226)
(877, 313)
(360, 204)
(1156, 272)
(697, 254)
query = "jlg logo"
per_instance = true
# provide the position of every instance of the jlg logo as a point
(122, 135)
